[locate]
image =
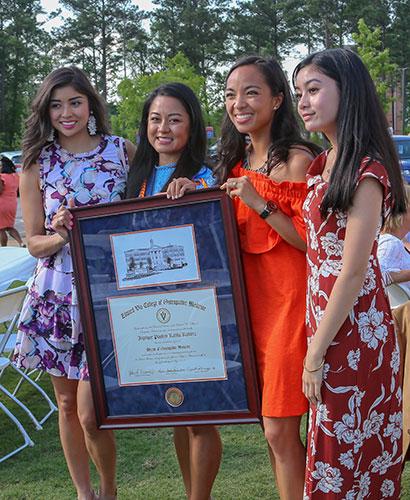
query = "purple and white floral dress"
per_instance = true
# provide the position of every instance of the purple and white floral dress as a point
(50, 335)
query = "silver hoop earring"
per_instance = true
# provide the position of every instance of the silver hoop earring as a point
(92, 125)
(50, 137)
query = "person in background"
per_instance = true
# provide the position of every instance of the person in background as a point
(263, 166)
(9, 185)
(351, 371)
(392, 253)
(69, 159)
(170, 159)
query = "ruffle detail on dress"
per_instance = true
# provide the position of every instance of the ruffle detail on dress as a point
(49, 336)
(49, 315)
(255, 234)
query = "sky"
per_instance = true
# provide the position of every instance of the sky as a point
(51, 5)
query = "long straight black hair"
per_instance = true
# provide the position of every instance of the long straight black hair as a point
(362, 129)
(285, 131)
(192, 157)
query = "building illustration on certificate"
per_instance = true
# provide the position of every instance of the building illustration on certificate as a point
(155, 257)
(142, 262)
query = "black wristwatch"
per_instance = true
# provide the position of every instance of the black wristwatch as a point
(268, 209)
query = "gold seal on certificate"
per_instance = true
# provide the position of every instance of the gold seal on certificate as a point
(174, 397)
(168, 334)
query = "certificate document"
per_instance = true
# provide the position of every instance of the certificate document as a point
(167, 337)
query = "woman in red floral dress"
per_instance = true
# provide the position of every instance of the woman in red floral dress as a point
(351, 370)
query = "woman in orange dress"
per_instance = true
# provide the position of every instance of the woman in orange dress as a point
(8, 202)
(264, 160)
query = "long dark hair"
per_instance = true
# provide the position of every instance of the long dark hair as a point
(362, 129)
(193, 155)
(38, 124)
(285, 131)
(7, 166)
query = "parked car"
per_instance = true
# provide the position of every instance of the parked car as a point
(15, 157)
(213, 152)
(402, 143)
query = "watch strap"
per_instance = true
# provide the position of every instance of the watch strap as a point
(268, 209)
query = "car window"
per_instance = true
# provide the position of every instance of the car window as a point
(17, 159)
(403, 148)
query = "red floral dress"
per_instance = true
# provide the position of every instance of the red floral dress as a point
(354, 440)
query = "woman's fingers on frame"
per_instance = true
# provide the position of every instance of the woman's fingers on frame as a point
(171, 189)
(63, 212)
(182, 189)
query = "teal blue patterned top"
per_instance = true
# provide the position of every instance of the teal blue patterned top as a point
(161, 174)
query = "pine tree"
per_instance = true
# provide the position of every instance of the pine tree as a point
(23, 62)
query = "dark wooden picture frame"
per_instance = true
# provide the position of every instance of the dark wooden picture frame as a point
(232, 399)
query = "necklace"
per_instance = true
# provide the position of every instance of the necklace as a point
(330, 160)
(263, 169)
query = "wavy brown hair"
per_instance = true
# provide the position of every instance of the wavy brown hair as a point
(38, 124)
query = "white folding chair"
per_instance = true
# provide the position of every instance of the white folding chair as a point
(397, 295)
(27, 439)
(10, 305)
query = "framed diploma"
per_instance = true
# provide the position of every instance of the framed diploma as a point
(164, 312)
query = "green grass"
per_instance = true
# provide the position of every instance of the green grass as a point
(147, 467)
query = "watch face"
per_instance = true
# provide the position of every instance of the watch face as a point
(271, 207)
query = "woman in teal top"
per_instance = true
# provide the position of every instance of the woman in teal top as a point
(170, 159)
(172, 147)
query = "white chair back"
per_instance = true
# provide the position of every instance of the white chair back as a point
(10, 305)
(397, 295)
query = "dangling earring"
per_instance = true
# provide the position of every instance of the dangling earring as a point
(50, 137)
(92, 124)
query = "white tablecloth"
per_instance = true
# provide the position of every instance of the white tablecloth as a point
(15, 264)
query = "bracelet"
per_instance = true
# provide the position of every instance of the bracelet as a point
(316, 369)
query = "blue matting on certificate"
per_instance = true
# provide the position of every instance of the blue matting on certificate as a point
(206, 219)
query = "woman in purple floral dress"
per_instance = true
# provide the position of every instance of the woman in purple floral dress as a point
(69, 160)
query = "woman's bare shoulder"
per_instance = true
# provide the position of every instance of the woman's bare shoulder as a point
(131, 149)
(298, 162)
(30, 176)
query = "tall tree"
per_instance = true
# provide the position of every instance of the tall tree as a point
(133, 92)
(398, 33)
(266, 27)
(381, 69)
(330, 23)
(23, 61)
(101, 36)
(398, 41)
(198, 29)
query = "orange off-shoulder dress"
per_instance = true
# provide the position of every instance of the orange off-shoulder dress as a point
(275, 275)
